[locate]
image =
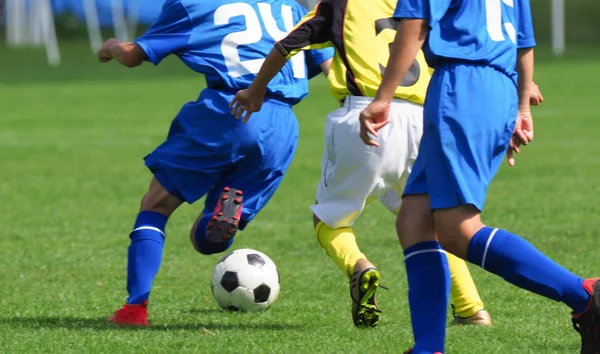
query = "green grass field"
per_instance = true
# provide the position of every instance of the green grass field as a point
(71, 177)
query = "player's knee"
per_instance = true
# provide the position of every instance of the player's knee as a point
(200, 241)
(414, 223)
(456, 226)
(158, 199)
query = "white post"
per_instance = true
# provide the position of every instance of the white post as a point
(16, 22)
(558, 26)
(133, 14)
(119, 22)
(93, 25)
(36, 29)
(46, 20)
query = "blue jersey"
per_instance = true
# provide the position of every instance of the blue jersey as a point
(228, 40)
(486, 32)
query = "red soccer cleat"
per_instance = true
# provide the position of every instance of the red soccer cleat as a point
(132, 315)
(226, 217)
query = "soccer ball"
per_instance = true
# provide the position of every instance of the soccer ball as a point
(245, 280)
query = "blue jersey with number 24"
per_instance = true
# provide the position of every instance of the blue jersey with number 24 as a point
(227, 40)
(487, 32)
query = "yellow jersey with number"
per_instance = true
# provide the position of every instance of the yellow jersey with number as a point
(361, 32)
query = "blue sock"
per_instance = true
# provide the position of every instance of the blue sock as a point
(145, 254)
(428, 292)
(204, 245)
(521, 264)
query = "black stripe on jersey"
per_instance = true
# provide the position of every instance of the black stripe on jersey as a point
(313, 30)
(327, 25)
(337, 38)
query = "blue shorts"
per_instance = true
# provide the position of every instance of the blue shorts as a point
(469, 117)
(208, 149)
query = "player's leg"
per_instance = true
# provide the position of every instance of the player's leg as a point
(145, 252)
(340, 245)
(427, 268)
(349, 176)
(459, 226)
(333, 220)
(458, 180)
(520, 263)
(466, 303)
(467, 306)
(432, 185)
(352, 175)
(270, 140)
(185, 167)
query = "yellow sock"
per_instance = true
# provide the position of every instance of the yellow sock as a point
(463, 292)
(340, 245)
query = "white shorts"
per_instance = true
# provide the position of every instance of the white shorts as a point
(353, 174)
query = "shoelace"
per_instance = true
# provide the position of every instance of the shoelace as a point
(454, 315)
(576, 325)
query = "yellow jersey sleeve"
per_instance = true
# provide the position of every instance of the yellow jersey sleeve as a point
(312, 32)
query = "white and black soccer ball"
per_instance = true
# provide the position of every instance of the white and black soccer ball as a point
(245, 280)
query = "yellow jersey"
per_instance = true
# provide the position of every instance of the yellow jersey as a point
(361, 32)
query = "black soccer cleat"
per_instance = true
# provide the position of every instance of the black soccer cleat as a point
(226, 218)
(588, 322)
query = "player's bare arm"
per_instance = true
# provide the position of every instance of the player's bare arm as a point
(128, 54)
(325, 66)
(410, 36)
(313, 30)
(523, 134)
(250, 100)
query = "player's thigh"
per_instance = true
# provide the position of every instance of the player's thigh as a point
(392, 199)
(415, 223)
(352, 173)
(469, 118)
(198, 150)
(159, 199)
(260, 171)
(408, 139)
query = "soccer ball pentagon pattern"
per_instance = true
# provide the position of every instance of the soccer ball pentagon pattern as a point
(245, 280)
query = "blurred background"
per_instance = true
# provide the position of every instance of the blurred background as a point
(559, 23)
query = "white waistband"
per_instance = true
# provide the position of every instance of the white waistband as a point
(355, 102)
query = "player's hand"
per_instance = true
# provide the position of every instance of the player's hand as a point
(372, 119)
(522, 135)
(104, 54)
(535, 95)
(246, 101)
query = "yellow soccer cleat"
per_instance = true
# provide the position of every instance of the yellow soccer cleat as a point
(363, 285)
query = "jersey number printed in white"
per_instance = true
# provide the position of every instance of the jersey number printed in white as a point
(493, 15)
(254, 34)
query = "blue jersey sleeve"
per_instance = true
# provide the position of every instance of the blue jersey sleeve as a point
(525, 35)
(314, 59)
(430, 10)
(169, 34)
